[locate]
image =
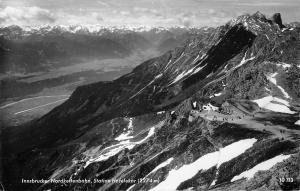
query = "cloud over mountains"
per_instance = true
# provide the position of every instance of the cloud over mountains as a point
(188, 13)
(26, 15)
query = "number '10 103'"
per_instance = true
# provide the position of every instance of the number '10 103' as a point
(288, 179)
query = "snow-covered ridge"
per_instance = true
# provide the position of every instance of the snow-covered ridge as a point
(95, 28)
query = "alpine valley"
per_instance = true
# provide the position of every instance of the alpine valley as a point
(41, 66)
(220, 112)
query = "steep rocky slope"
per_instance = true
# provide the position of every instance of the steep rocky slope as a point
(207, 115)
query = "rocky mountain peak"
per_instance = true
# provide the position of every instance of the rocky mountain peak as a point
(276, 18)
(259, 15)
(258, 23)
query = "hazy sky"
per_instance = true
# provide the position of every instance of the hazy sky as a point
(139, 12)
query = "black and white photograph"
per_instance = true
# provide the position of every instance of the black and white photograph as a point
(149, 95)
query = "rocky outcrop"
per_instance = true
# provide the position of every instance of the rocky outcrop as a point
(276, 18)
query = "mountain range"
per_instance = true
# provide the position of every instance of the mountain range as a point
(42, 48)
(220, 112)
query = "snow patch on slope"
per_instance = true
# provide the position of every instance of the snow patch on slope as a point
(180, 76)
(158, 76)
(269, 103)
(186, 73)
(125, 136)
(193, 70)
(198, 69)
(244, 61)
(215, 95)
(267, 37)
(155, 78)
(176, 176)
(266, 165)
(272, 79)
(196, 58)
(210, 107)
(104, 154)
(194, 104)
(168, 64)
(178, 58)
(284, 65)
(163, 164)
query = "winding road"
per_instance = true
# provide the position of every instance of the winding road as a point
(249, 121)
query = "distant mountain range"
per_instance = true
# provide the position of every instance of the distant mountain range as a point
(220, 112)
(14, 31)
(38, 49)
